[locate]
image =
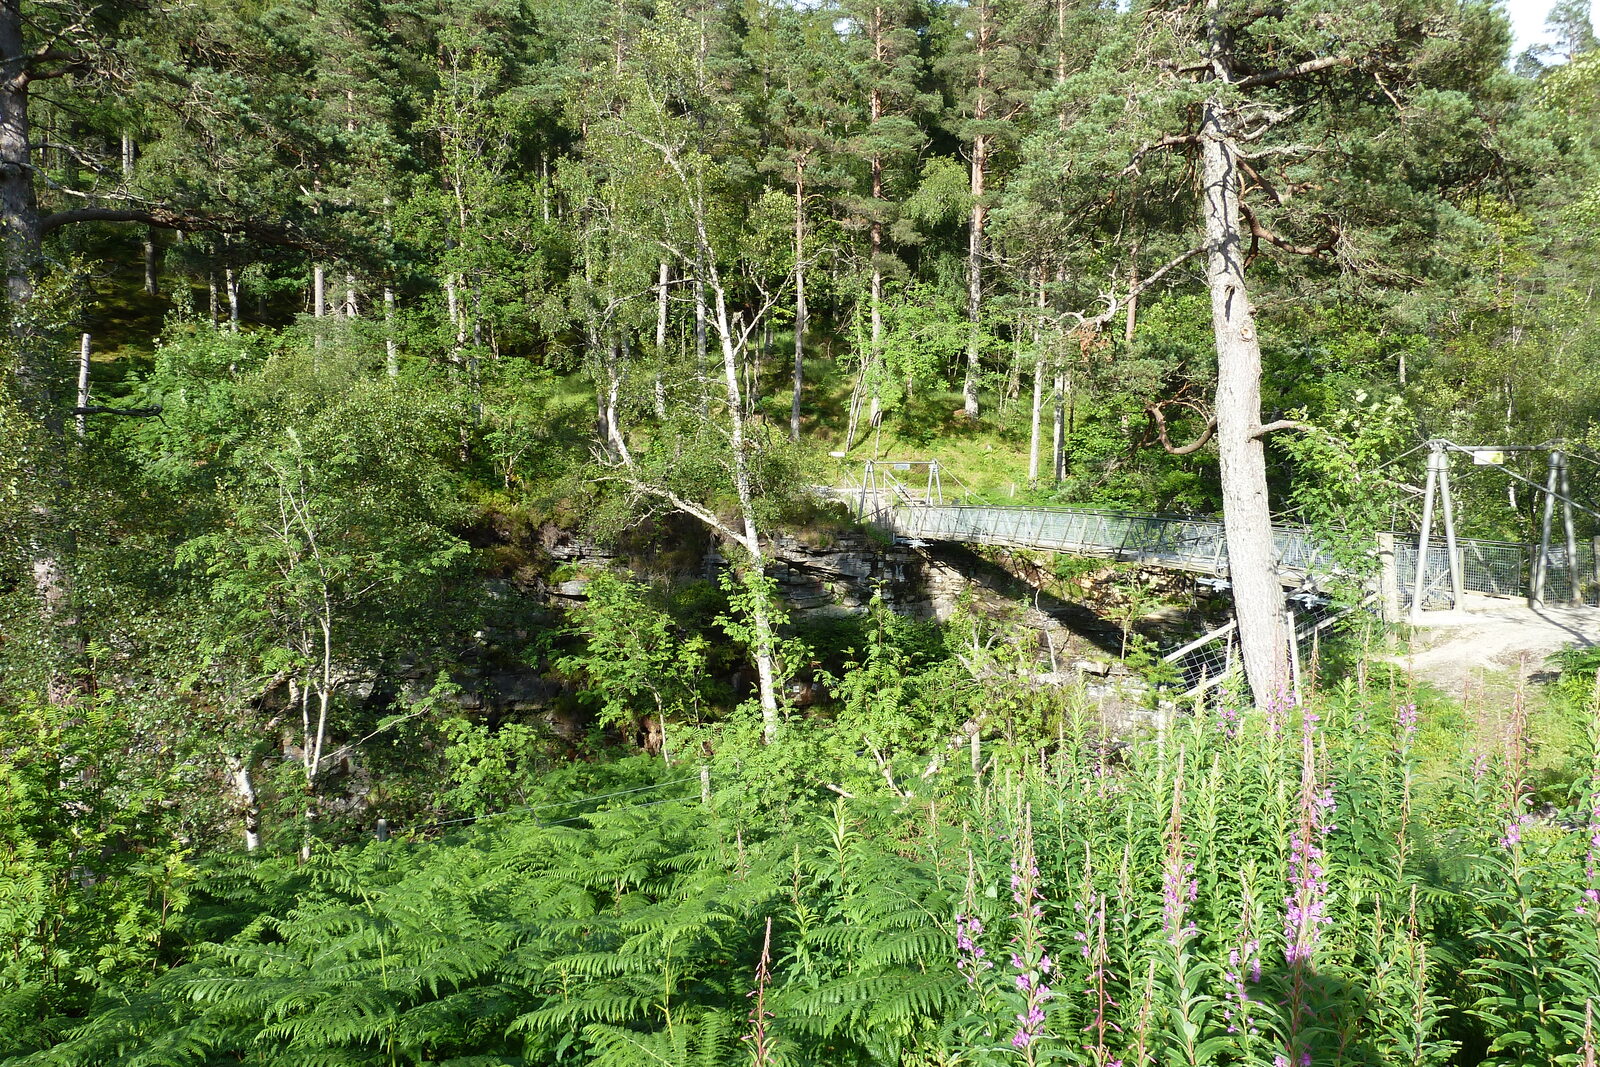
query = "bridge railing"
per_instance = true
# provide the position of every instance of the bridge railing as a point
(1493, 568)
(1497, 568)
(1196, 545)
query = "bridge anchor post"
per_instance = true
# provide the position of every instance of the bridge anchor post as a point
(1541, 562)
(1420, 580)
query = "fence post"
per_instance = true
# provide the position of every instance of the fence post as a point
(1576, 592)
(1452, 553)
(1388, 579)
(1294, 652)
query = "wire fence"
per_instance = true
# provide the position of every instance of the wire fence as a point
(1575, 580)
(1213, 658)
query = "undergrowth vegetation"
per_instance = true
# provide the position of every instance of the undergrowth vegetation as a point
(1354, 881)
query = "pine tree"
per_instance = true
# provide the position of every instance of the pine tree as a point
(882, 47)
(993, 82)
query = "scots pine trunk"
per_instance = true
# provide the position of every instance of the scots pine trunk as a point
(1246, 514)
(872, 367)
(875, 357)
(18, 206)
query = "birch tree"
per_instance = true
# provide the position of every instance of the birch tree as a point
(666, 116)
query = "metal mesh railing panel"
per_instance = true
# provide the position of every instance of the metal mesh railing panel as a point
(1495, 568)
(1211, 659)
(1204, 662)
(1565, 576)
(1186, 544)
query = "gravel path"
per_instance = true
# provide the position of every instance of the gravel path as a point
(1494, 636)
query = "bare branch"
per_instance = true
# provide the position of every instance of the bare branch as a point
(1169, 141)
(1113, 305)
(132, 413)
(1281, 150)
(1259, 233)
(1283, 424)
(701, 514)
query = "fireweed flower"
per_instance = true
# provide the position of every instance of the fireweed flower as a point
(1178, 885)
(1589, 902)
(1512, 838)
(1243, 959)
(1096, 982)
(1306, 906)
(970, 956)
(1277, 711)
(1029, 958)
(1244, 966)
(1405, 716)
(1229, 721)
(1178, 889)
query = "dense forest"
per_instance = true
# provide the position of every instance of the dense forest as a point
(406, 407)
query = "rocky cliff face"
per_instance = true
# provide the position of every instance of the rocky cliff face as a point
(838, 571)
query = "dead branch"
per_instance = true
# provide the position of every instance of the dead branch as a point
(1259, 233)
(1300, 70)
(1170, 141)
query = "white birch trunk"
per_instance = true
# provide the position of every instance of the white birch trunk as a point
(230, 282)
(391, 348)
(799, 301)
(244, 787)
(83, 386)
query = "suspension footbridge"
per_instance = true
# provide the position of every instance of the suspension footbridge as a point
(907, 499)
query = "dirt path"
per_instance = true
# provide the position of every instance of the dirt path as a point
(1495, 637)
